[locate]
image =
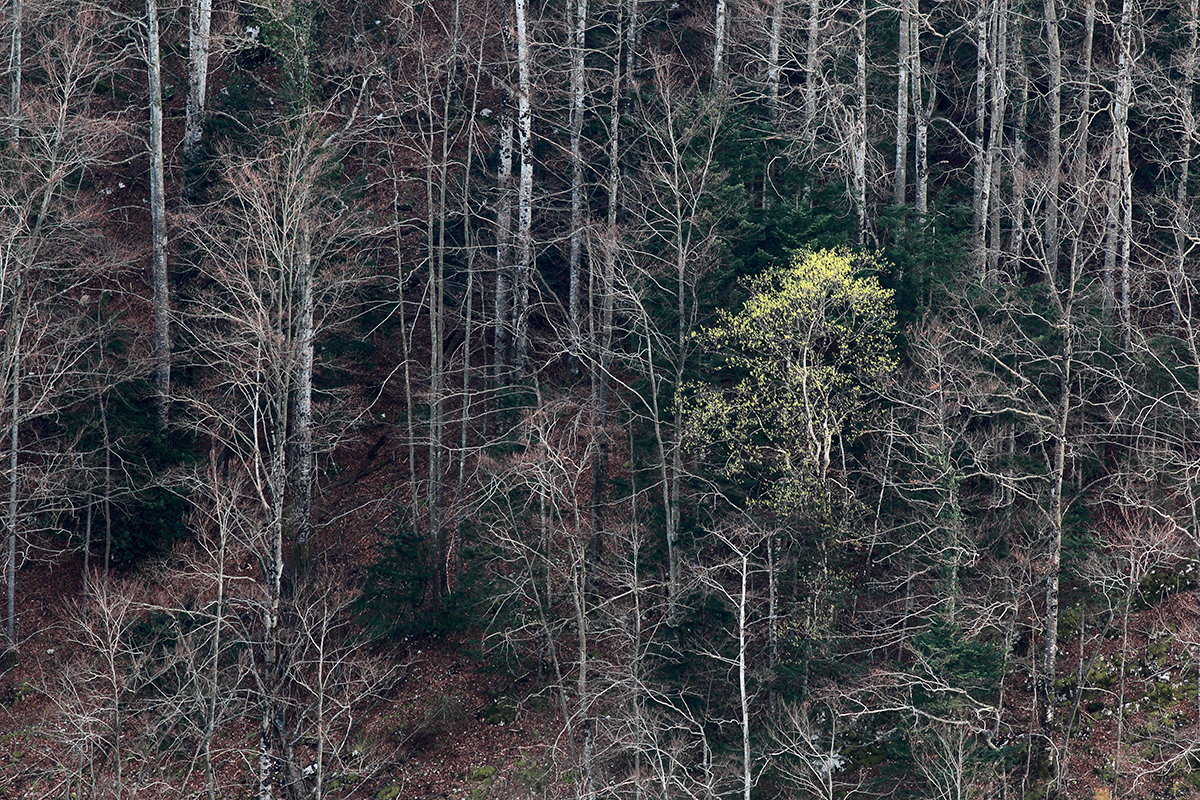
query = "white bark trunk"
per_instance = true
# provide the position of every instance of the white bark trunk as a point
(811, 80)
(900, 185)
(502, 332)
(15, 64)
(524, 243)
(1020, 181)
(774, 70)
(922, 110)
(303, 423)
(199, 38)
(995, 145)
(1188, 125)
(1054, 132)
(859, 155)
(719, 45)
(977, 177)
(158, 224)
(14, 427)
(743, 691)
(1124, 170)
(578, 31)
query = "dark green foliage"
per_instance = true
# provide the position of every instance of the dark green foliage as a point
(395, 600)
(148, 522)
(148, 513)
(946, 653)
(927, 257)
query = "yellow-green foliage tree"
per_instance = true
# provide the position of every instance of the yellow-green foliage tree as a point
(802, 359)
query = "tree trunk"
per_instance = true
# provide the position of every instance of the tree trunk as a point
(743, 689)
(982, 49)
(1182, 217)
(995, 144)
(13, 429)
(15, 65)
(435, 254)
(719, 26)
(774, 71)
(199, 26)
(1020, 178)
(1053, 132)
(158, 225)
(524, 243)
(923, 109)
(303, 423)
(900, 184)
(860, 128)
(502, 335)
(578, 33)
(811, 79)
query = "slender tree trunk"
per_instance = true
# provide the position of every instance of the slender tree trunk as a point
(158, 225)
(922, 108)
(719, 44)
(199, 39)
(502, 335)
(1020, 179)
(1124, 173)
(14, 428)
(435, 232)
(1186, 90)
(1083, 171)
(743, 690)
(108, 488)
(982, 50)
(602, 358)
(995, 144)
(1118, 167)
(524, 243)
(900, 184)
(1053, 132)
(812, 78)
(774, 70)
(210, 728)
(303, 424)
(1056, 509)
(15, 67)
(578, 31)
(860, 128)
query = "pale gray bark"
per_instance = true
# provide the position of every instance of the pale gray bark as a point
(524, 233)
(1186, 91)
(859, 143)
(923, 109)
(982, 49)
(900, 183)
(303, 421)
(1020, 176)
(14, 427)
(158, 224)
(743, 689)
(1053, 133)
(199, 42)
(812, 78)
(578, 19)
(995, 145)
(502, 333)
(719, 44)
(435, 232)
(15, 68)
(774, 71)
(1118, 221)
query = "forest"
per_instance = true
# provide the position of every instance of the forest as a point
(408, 399)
